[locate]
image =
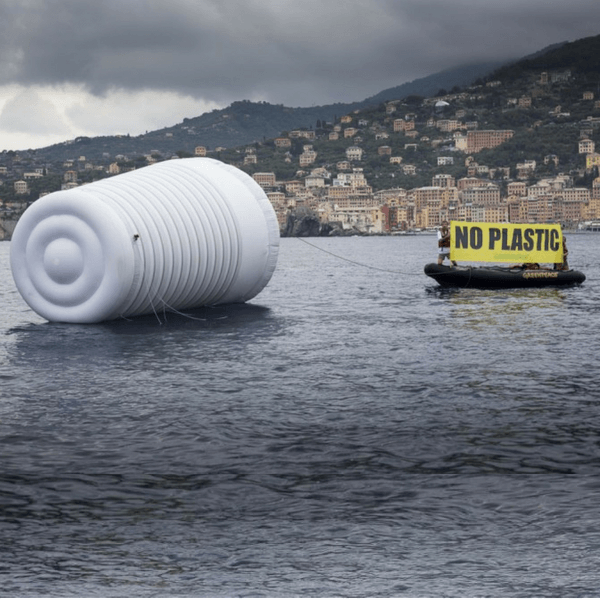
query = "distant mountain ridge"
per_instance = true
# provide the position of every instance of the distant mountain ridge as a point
(581, 55)
(245, 122)
(430, 85)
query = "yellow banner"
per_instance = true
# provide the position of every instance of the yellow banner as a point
(505, 242)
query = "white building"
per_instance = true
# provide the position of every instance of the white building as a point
(354, 153)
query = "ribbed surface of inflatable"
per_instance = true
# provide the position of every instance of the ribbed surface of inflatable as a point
(176, 235)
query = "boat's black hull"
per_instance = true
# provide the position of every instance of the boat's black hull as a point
(500, 277)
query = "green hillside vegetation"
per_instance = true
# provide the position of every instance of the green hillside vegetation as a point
(429, 86)
(582, 56)
(246, 122)
(551, 126)
(537, 135)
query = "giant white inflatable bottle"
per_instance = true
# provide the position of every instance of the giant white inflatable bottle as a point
(175, 235)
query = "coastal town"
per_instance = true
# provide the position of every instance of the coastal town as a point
(342, 173)
(348, 201)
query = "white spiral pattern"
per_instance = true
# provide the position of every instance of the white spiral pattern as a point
(176, 235)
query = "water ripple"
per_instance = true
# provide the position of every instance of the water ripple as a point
(352, 434)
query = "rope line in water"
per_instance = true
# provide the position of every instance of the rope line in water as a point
(356, 263)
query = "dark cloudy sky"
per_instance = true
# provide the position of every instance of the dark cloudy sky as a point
(94, 67)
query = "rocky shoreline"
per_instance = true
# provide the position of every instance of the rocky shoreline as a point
(7, 226)
(305, 222)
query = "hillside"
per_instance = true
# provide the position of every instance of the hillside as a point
(246, 122)
(581, 56)
(431, 86)
(547, 119)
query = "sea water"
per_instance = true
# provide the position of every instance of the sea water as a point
(354, 431)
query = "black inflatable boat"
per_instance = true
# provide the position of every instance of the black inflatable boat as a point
(492, 277)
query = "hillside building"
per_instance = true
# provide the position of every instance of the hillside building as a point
(21, 187)
(487, 195)
(265, 179)
(586, 146)
(480, 139)
(354, 153)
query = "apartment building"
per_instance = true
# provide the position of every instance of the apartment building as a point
(448, 125)
(517, 188)
(338, 193)
(349, 197)
(486, 195)
(357, 198)
(21, 187)
(596, 188)
(391, 197)
(496, 214)
(539, 209)
(277, 199)
(354, 153)
(354, 179)
(293, 187)
(405, 216)
(592, 160)
(460, 141)
(572, 212)
(307, 157)
(541, 188)
(427, 195)
(581, 195)
(443, 180)
(467, 182)
(314, 181)
(591, 211)
(480, 139)
(400, 125)
(301, 133)
(264, 179)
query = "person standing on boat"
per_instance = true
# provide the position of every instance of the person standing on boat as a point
(443, 236)
(564, 265)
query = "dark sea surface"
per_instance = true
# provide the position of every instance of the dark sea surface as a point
(350, 432)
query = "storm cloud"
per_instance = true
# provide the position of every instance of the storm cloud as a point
(213, 52)
(320, 50)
